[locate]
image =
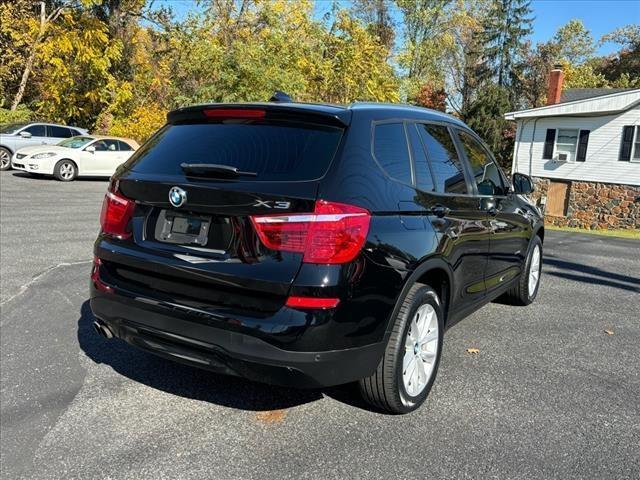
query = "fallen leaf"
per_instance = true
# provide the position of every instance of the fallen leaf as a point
(473, 350)
(609, 332)
(271, 416)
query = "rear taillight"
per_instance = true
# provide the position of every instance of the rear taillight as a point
(333, 233)
(116, 214)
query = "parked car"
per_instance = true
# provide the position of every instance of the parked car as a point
(311, 245)
(86, 155)
(14, 136)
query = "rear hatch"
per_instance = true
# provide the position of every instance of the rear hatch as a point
(197, 183)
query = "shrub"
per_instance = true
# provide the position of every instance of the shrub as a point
(140, 125)
(21, 114)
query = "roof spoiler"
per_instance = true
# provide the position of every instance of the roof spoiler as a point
(268, 110)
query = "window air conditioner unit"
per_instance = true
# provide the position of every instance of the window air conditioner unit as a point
(564, 157)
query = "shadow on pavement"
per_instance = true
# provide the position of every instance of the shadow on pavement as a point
(195, 383)
(51, 178)
(587, 274)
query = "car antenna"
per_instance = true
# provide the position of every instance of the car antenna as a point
(280, 97)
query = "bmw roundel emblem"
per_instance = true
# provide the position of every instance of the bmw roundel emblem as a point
(177, 196)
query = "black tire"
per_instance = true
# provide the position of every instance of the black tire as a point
(519, 294)
(61, 170)
(5, 159)
(385, 389)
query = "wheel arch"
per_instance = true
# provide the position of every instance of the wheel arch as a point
(6, 147)
(70, 160)
(436, 273)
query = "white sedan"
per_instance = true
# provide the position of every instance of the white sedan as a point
(85, 155)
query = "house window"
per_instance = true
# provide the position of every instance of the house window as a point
(635, 156)
(566, 144)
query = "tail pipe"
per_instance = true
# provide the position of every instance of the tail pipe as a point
(102, 329)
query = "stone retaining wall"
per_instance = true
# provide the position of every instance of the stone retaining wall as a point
(595, 206)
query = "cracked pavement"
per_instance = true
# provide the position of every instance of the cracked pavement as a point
(549, 395)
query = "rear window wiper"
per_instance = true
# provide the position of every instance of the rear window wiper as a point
(214, 170)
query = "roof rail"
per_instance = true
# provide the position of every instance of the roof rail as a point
(280, 97)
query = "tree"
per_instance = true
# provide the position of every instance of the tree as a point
(77, 57)
(375, 14)
(40, 30)
(573, 43)
(430, 97)
(504, 30)
(533, 74)
(623, 68)
(486, 118)
(428, 36)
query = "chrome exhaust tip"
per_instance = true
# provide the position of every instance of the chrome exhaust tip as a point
(102, 329)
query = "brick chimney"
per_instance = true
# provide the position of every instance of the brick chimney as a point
(556, 77)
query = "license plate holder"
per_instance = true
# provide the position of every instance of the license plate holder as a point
(182, 228)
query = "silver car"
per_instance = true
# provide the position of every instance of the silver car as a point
(14, 136)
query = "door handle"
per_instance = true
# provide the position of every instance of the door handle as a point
(440, 211)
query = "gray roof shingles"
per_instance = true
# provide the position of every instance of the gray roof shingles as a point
(575, 94)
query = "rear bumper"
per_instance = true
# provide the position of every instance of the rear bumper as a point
(161, 330)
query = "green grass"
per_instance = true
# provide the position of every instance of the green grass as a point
(633, 234)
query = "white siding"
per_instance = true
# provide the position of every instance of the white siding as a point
(601, 165)
(605, 104)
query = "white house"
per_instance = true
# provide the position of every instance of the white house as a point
(583, 151)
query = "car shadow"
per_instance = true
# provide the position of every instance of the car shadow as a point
(41, 177)
(194, 383)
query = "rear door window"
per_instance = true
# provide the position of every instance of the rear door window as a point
(391, 151)
(446, 166)
(59, 132)
(36, 130)
(275, 151)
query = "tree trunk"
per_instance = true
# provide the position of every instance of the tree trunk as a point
(30, 61)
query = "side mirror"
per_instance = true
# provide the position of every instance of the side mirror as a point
(25, 134)
(90, 149)
(522, 184)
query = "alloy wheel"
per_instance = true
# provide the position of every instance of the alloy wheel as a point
(67, 171)
(421, 350)
(5, 159)
(534, 270)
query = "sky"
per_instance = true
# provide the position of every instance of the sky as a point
(598, 16)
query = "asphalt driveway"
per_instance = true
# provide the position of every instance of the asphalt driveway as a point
(550, 394)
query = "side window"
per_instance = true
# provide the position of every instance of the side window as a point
(59, 132)
(124, 147)
(486, 172)
(424, 179)
(445, 164)
(36, 130)
(106, 146)
(112, 145)
(390, 149)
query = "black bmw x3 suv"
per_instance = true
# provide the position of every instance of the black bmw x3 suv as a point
(311, 245)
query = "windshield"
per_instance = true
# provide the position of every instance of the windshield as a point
(11, 127)
(75, 142)
(272, 151)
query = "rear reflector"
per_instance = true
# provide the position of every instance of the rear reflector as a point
(234, 113)
(116, 214)
(95, 277)
(312, 302)
(333, 233)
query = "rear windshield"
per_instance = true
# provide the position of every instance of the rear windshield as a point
(274, 151)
